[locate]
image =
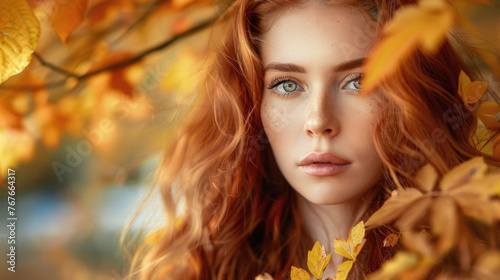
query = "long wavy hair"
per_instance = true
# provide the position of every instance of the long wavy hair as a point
(239, 216)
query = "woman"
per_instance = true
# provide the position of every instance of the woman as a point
(285, 149)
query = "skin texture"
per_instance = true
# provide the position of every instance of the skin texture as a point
(321, 110)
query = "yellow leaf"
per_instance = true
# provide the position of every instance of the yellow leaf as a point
(489, 114)
(394, 207)
(425, 26)
(399, 263)
(391, 240)
(418, 242)
(264, 276)
(299, 274)
(414, 213)
(19, 34)
(66, 16)
(317, 260)
(485, 187)
(355, 242)
(343, 270)
(427, 177)
(470, 91)
(478, 207)
(444, 223)
(474, 168)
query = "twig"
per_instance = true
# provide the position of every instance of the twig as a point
(52, 66)
(117, 65)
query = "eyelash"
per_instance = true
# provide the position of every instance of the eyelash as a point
(350, 78)
(355, 77)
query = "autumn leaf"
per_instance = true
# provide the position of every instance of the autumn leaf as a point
(19, 34)
(317, 260)
(489, 114)
(343, 270)
(463, 182)
(66, 16)
(394, 207)
(349, 249)
(400, 263)
(391, 240)
(470, 91)
(424, 26)
(466, 189)
(299, 274)
(355, 242)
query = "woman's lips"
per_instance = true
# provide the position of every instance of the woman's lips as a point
(323, 164)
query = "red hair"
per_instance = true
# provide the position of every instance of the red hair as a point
(240, 216)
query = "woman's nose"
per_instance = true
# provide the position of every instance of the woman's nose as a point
(321, 118)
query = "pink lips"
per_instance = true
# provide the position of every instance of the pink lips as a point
(323, 164)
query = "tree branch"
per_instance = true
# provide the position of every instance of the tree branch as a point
(201, 26)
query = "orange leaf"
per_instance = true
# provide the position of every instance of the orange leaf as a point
(470, 91)
(66, 16)
(489, 114)
(391, 240)
(425, 26)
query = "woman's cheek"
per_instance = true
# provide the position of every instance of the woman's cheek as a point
(275, 117)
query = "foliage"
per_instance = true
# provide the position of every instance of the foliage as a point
(94, 62)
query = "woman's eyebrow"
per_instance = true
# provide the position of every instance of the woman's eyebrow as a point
(285, 67)
(290, 67)
(350, 64)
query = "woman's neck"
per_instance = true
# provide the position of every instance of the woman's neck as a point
(327, 222)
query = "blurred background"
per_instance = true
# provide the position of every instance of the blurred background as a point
(84, 125)
(84, 149)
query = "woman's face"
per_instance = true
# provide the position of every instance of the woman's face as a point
(319, 127)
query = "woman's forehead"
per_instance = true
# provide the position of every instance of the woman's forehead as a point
(309, 33)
